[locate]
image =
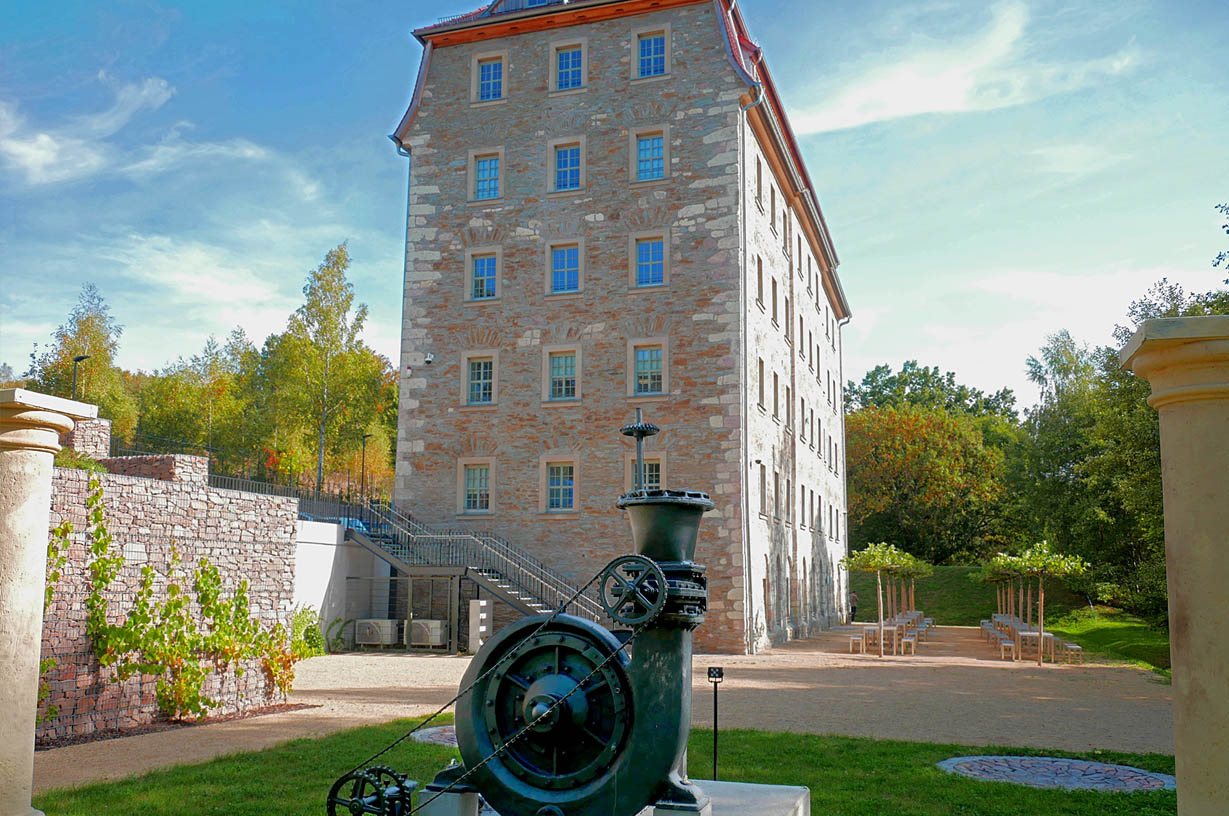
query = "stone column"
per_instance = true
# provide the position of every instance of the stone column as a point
(1187, 362)
(30, 428)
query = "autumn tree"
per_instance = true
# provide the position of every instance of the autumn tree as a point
(926, 387)
(922, 477)
(90, 329)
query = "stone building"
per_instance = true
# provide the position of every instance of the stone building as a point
(608, 211)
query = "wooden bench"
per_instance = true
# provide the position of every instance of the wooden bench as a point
(859, 641)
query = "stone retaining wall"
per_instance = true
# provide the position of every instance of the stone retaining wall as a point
(247, 536)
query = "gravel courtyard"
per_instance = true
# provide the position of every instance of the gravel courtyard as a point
(955, 690)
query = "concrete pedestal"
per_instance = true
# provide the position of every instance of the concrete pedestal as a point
(30, 428)
(1186, 360)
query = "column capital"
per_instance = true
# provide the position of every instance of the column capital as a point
(1186, 359)
(33, 421)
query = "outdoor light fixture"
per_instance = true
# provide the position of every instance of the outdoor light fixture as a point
(76, 361)
(430, 358)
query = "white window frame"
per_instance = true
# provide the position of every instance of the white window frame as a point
(551, 147)
(472, 175)
(629, 466)
(564, 45)
(548, 280)
(545, 461)
(642, 342)
(471, 354)
(633, 241)
(565, 348)
(633, 151)
(475, 461)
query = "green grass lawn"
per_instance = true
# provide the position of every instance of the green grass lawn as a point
(847, 777)
(1115, 634)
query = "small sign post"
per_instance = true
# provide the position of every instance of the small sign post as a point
(715, 675)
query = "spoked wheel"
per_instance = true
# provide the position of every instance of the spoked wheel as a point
(633, 589)
(355, 793)
(577, 715)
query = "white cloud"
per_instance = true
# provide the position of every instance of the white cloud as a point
(80, 150)
(991, 71)
(151, 94)
(1076, 159)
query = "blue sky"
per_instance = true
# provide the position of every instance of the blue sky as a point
(990, 172)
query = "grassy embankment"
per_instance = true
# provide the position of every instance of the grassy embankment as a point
(952, 599)
(847, 777)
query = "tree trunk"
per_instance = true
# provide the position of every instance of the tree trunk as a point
(879, 586)
(1041, 615)
(1028, 608)
(324, 413)
(912, 595)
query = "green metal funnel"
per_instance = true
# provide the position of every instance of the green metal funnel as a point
(665, 523)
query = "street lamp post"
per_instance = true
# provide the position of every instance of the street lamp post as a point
(79, 358)
(362, 489)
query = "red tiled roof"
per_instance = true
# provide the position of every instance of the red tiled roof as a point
(467, 17)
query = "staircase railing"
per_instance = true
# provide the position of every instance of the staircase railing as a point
(416, 543)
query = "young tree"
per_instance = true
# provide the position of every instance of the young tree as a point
(877, 558)
(329, 380)
(926, 387)
(91, 330)
(1040, 562)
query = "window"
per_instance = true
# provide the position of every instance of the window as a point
(812, 423)
(569, 68)
(774, 300)
(650, 157)
(776, 397)
(654, 470)
(567, 167)
(789, 500)
(482, 277)
(562, 375)
(761, 382)
(648, 367)
(811, 345)
(818, 509)
(799, 256)
(536, 3)
(477, 488)
(789, 408)
(772, 209)
(487, 78)
(651, 54)
(776, 493)
(564, 268)
(802, 418)
(763, 490)
(648, 370)
(802, 350)
(788, 322)
(560, 486)
(814, 517)
(481, 380)
(759, 280)
(485, 176)
(650, 262)
(759, 182)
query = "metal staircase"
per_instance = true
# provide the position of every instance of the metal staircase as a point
(507, 572)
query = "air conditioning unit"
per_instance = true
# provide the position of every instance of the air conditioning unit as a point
(427, 633)
(375, 632)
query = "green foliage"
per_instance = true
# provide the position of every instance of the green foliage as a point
(846, 775)
(1222, 257)
(334, 636)
(927, 388)
(90, 329)
(75, 460)
(305, 632)
(953, 599)
(57, 557)
(181, 637)
(924, 478)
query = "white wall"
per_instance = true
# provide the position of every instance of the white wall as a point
(322, 562)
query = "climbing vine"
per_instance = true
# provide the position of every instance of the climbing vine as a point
(57, 557)
(194, 629)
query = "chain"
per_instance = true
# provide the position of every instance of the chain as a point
(528, 726)
(511, 653)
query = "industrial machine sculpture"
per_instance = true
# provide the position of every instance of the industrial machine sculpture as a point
(554, 718)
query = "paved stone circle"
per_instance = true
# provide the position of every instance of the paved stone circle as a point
(445, 735)
(1054, 772)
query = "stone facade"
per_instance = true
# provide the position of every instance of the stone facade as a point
(769, 577)
(247, 536)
